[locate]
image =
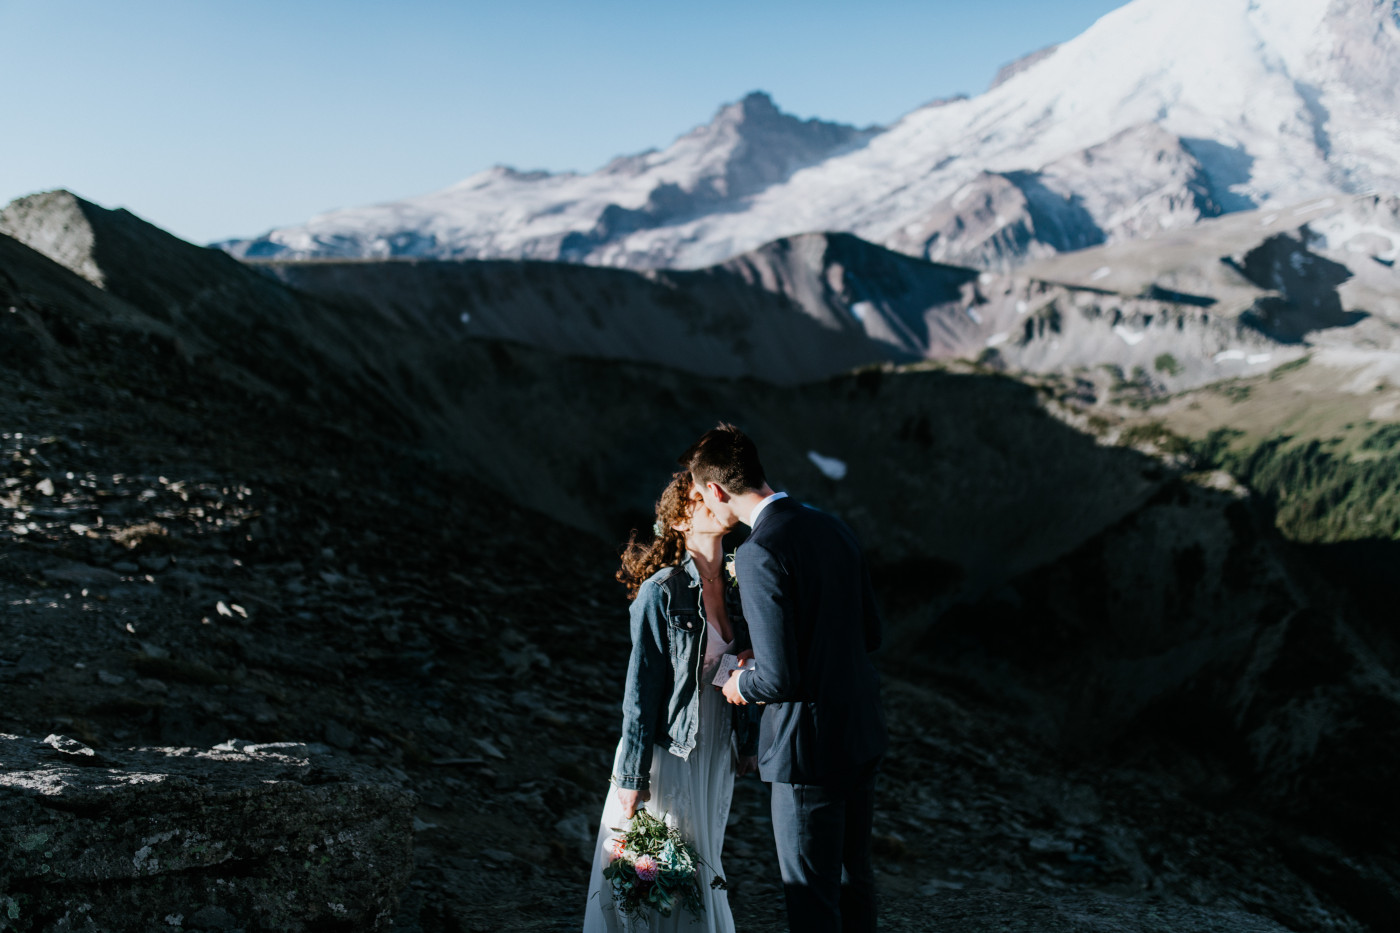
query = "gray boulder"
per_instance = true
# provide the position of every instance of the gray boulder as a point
(239, 837)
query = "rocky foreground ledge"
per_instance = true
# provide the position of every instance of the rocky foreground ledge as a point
(1009, 912)
(239, 837)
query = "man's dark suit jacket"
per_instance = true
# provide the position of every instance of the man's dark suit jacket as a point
(813, 620)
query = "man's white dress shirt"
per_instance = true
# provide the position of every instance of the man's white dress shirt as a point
(753, 520)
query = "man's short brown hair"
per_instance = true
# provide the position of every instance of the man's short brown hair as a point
(726, 456)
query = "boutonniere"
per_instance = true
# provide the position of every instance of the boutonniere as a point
(732, 571)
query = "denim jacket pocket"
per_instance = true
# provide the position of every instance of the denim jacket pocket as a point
(684, 627)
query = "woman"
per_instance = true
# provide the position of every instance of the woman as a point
(680, 746)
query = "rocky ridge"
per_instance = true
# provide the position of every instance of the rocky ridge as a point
(1219, 300)
(766, 316)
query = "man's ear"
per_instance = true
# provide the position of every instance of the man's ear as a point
(718, 492)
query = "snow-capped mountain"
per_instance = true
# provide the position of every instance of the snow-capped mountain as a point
(503, 213)
(1162, 113)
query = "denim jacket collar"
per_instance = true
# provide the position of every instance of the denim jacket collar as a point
(688, 564)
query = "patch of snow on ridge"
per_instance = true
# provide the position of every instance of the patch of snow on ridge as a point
(1355, 234)
(1131, 337)
(831, 467)
(961, 195)
(1309, 208)
(1252, 359)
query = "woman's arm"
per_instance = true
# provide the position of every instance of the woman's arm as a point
(648, 682)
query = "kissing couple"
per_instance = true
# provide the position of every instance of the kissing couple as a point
(793, 613)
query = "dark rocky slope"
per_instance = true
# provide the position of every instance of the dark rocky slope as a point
(1105, 709)
(718, 323)
(796, 310)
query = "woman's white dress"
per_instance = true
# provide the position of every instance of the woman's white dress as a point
(692, 794)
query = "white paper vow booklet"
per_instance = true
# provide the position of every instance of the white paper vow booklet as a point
(727, 663)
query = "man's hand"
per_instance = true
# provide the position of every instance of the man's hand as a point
(748, 764)
(731, 689)
(631, 799)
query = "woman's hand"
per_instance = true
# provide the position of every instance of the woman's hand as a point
(745, 655)
(631, 799)
(748, 764)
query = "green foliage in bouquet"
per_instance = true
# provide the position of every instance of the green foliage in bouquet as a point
(653, 868)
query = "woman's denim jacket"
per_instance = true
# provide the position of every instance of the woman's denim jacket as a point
(662, 702)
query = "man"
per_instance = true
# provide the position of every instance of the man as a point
(812, 619)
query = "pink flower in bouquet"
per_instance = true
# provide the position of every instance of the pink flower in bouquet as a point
(646, 867)
(616, 846)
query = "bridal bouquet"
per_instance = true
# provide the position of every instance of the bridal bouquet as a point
(653, 867)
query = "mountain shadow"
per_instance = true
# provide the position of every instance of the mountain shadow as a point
(1225, 167)
(1307, 284)
(1055, 220)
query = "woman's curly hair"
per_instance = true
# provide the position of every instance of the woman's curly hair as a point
(667, 545)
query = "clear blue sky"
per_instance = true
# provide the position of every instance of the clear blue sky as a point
(220, 119)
